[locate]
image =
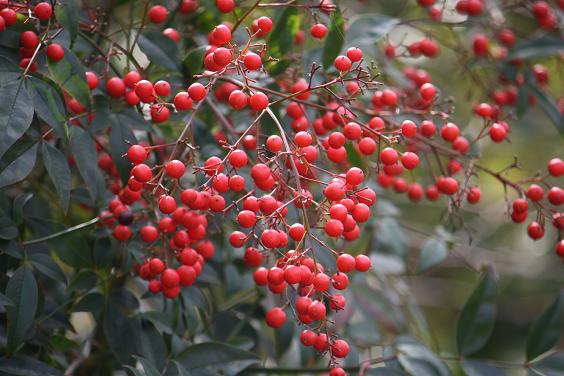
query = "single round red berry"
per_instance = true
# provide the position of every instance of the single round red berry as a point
(55, 52)
(158, 14)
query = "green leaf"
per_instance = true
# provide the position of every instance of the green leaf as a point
(69, 73)
(545, 331)
(84, 151)
(59, 171)
(48, 104)
(8, 229)
(121, 332)
(434, 252)
(549, 106)
(68, 16)
(92, 302)
(16, 114)
(476, 368)
(121, 137)
(22, 365)
(22, 291)
(385, 371)
(148, 366)
(9, 70)
(5, 301)
(215, 358)
(160, 50)
(365, 30)
(537, 47)
(281, 38)
(477, 319)
(334, 40)
(552, 364)
(194, 61)
(48, 267)
(418, 360)
(152, 345)
(20, 168)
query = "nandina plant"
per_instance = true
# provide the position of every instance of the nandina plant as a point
(225, 187)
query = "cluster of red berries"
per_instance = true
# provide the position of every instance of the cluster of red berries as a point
(30, 42)
(176, 236)
(545, 203)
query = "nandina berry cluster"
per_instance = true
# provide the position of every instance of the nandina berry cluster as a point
(288, 186)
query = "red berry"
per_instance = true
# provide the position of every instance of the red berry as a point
(136, 154)
(556, 167)
(362, 263)
(535, 230)
(560, 248)
(474, 195)
(318, 31)
(449, 132)
(409, 160)
(265, 24)
(340, 348)
(149, 234)
(182, 101)
(317, 310)
(55, 52)
(354, 54)
(43, 11)
(497, 132)
(162, 88)
(258, 101)
(92, 80)
(158, 14)
(307, 337)
(115, 87)
(225, 6)
(175, 169)
(389, 156)
(142, 173)
(170, 278)
(342, 63)
(221, 34)
(427, 91)
(197, 91)
(346, 263)
(275, 317)
(252, 61)
(238, 100)
(29, 39)
(535, 192)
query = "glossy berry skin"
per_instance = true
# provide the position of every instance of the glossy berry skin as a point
(197, 91)
(252, 61)
(318, 31)
(115, 87)
(535, 192)
(175, 169)
(346, 263)
(182, 101)
(158, 14)
(29, 39)
(560, 248)
(258, 101)
(535, 230)
(497, 132)
(43, 11)
(275, 317)
(556, 167)
(340, 348)
(225, 6)
(55, 52)
(449, 132)
(342, 63)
